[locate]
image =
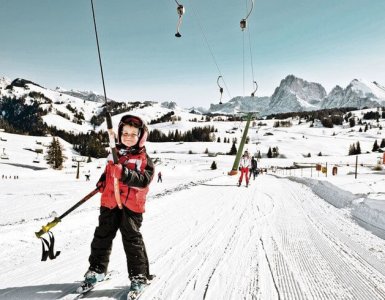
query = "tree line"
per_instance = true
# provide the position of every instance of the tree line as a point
(196, 134)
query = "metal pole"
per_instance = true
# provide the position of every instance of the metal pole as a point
(355, 175)
(234, 170)
(56, 220)
(111, 134)
(77, 173)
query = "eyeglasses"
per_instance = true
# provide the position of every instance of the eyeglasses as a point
(132, 121)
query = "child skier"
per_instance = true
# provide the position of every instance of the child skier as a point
(244, 166)
(134, 172)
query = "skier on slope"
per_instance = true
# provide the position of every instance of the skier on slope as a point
(134, 172)
(244, 166)
(254, 167)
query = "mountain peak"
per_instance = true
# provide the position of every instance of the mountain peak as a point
(296, 94)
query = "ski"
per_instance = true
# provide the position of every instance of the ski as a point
(83, 289)
(86, 287)
(134, 295)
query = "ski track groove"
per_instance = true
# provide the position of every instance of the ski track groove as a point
(186, 253)
(246, 213)
(299, 255)
(239, 213)
(358, 286)
(208, 256)
(253, 287)
(341, 244)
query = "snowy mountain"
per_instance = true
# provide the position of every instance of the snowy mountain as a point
(85, 95)
(4, 82)
(295, 94)
(169, 105)
(358, 93)
(241, 104)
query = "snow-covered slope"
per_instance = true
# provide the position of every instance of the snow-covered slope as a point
(292, 234)
(205, 237)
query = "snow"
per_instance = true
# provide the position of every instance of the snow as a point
(292, 234)
(367, 87)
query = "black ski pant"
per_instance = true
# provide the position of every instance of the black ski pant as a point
(128, 222)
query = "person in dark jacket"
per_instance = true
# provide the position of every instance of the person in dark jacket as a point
(254, 168)
(134, 171)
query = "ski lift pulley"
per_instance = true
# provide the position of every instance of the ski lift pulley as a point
(243, 22)
(220, 89)
(180, 10)
(256, 88)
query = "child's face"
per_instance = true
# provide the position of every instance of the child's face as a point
(129, 135)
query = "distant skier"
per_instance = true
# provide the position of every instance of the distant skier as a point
(159, 176)
(254, 168)
(134, 171)
(244, 166)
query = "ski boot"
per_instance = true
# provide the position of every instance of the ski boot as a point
(91, 278)
(138, 283)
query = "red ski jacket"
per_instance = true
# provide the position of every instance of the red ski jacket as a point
(137, 173)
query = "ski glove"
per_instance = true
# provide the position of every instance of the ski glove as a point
(101, 185)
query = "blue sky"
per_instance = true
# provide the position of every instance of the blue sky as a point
(330, 42)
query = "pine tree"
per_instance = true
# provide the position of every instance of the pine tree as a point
(375, 146)
(55, 154)
(382, 145)
(269, 153)
(358, 148)
(213, 166)
(233, 150)
(352, 149)
(177, 136)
